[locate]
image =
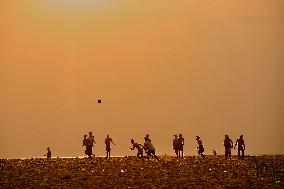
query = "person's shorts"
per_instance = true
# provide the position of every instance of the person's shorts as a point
(227, 150)
(108, 148)
(88, 151)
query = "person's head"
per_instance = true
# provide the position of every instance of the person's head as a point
(180, 135)
(90, 133)
(85, 136)
(226, 136)
(107, 136)
(175, 136)
(147, 135)
(242, 136)
(48, 148)
(197, 138)
(132, 141)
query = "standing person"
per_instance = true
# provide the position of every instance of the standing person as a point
(90, 144)
(84, 140)
(85, 144)
(228, 144)
(241, 147)
(48, 154)
(180, 145)
(200, 147)
(107, 142)
(139, 148)
(175, 144)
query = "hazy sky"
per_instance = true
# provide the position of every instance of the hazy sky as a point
(163, 67)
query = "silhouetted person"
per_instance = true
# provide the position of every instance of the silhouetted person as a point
(228, 144)
(139, 148)
(180, 145)
(48, 154)
(150, 149)
(107, 142)
(241, 147)
(200, 147)
(175, 144)
(90, 144)
(214, 152)
(84, 140)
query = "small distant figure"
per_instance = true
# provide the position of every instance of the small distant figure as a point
(241, 147)
(108, 140)
(84, 140)
(99, 101)
(89, 143)
(228, 144)
(147, 138)
(214, 152)
(150, 149)
(175, 144)
(139, 148)
(48, 154)
(200, 147)
(180, 145)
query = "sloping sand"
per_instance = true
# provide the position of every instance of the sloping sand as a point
(124, 172)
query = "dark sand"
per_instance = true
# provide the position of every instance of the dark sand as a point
(124, 172)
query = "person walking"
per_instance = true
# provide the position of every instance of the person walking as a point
(200, 148)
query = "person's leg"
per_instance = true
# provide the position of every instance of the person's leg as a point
(243, 154)
(239, 156)
(154, 154)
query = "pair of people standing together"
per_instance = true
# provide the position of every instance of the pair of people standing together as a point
(178, 143)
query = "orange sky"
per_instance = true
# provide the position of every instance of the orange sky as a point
(161, 67)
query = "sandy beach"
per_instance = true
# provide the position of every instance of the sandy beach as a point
(131, 172)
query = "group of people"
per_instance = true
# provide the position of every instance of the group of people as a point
(149, 149)
(178, 143)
